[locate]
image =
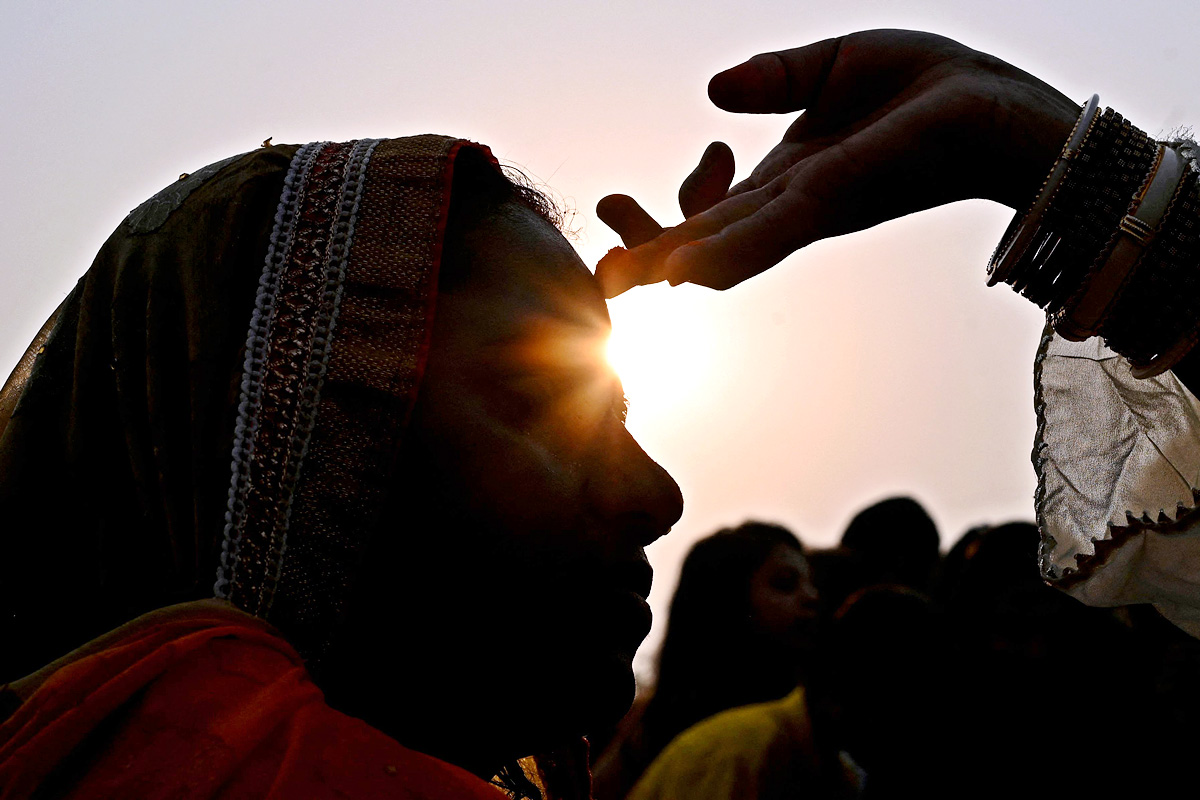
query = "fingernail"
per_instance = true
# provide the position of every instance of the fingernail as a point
(610, 258)
(676, 266)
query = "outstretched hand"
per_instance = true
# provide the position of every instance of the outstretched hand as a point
(894, 122)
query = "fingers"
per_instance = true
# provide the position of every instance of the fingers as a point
(836, 190)
(708, 182)
(621, 270)
(740, 250)
(783, 157)
(623, 214)
(775, 83)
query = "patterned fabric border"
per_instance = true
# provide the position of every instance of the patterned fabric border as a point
(356, 245)
(287, 353)
(384, 325)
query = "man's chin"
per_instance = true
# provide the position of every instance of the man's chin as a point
(613, 691)
(588, 695)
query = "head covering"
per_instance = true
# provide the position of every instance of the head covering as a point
(221, 396)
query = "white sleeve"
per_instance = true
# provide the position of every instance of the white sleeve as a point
(1118, 465)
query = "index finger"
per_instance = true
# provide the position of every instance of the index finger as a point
(625, 216)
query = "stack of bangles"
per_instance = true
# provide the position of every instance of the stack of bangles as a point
(1111, 245)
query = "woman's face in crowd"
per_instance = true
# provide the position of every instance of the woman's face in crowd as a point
(783, 600)
(534, 501)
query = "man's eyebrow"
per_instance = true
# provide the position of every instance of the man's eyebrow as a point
(581, 296)
(547, 326)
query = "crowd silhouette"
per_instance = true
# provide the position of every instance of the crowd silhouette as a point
(922, 674)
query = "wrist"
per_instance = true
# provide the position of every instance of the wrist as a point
(1031, 123)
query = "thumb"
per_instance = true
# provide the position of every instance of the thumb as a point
(775, 83)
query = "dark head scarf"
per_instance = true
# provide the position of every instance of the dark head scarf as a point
(216, 406)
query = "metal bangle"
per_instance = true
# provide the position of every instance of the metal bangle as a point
(1026, 229)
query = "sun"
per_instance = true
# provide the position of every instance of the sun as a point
(661, 350)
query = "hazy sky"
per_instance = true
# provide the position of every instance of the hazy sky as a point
(864, 366)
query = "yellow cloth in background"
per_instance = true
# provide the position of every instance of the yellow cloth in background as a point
(763, 750)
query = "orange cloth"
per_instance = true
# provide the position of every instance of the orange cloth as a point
(202, 701)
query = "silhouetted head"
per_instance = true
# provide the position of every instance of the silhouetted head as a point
(896, 542)
(358, 390)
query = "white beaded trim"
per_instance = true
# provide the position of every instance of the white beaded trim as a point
(250, 398)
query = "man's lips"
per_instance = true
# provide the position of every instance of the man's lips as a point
(606, 594)
(626, 616)
(619, 610)
(633, 576)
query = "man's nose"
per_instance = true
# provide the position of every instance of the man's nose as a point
(626, 486)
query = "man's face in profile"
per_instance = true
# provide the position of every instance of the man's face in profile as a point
(534, 501)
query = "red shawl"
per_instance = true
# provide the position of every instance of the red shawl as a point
(202, 701)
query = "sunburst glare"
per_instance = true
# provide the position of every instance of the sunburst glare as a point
(662, 352)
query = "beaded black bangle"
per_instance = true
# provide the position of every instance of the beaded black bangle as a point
(1156, 321)
(1096, 193)
(1084, 314)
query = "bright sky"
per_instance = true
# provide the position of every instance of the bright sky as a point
(864, 366)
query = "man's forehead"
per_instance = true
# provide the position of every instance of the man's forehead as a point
(529, 271)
